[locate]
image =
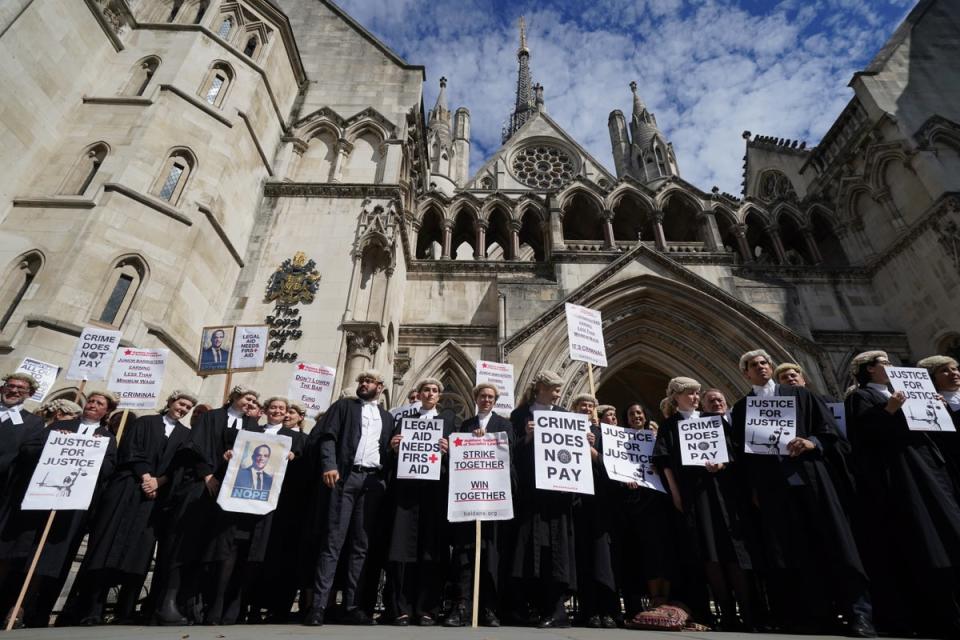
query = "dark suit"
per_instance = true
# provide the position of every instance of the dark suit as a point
(246, 480)
(353, 501)
(212, 359)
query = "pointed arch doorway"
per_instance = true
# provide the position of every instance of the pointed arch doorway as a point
(636, 382)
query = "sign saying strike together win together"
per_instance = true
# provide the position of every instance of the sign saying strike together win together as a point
(479, 478)
(562, 452)
(420, 456)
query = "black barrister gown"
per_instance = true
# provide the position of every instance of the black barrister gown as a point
(463, 534)
(791, 537)
(712, 502)
(593, 520)
(544, 519)
(122, 533)
(23, 530)
(910, 500)
(420, 532)
(20, 447)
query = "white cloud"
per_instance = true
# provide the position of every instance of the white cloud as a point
(708, 69)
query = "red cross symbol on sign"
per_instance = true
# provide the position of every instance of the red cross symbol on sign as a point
(433, 457)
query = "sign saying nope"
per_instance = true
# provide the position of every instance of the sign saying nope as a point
(562, 452)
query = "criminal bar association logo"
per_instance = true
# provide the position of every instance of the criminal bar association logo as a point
(295, 281)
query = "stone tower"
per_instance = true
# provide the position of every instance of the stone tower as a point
(529, 97)
(449, 150)
(644, 153)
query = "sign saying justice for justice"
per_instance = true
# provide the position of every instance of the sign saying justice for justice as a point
(479, 478)
(562, 451)
(66, 476)
(628, 456)
(702, 441)
(923, 409)
(771, 425)
(420, 455)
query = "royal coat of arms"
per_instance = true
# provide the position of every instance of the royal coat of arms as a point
(297, 280)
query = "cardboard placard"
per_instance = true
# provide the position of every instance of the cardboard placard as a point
(628, 456)
(479, 478)
(93, 354)
(562, 452)
(255, 473)
(67, 473)
(702, 440)
(419, 454)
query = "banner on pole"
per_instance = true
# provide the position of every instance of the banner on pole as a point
(701, 441)
(479, 478)
(255, 473)
(137, 377)
(923, 409)
(628, 456)
(312, 385)
(501, 376)
(585, 333)
(839, 415)
(249, 347)
(67, 474)
(562, 452)
(419, 453)
(45, 374)
(770, 425)
(93, 354)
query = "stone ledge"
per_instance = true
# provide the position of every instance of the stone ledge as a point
(138, 101)
(221, 232)
(199, 104)
(256, 142)
(54, 202)
(149, 201)
(330, 190)
(172, 343)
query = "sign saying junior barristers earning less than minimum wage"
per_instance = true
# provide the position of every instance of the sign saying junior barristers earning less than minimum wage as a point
(137, 377)
(585, 333)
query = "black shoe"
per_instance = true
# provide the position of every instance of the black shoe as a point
(489, 619)
(594, 622)
(357, 617)
(426, 621)
(314, 618)
(401, 621)
(554, 623)
(861, 627)
(456, 618)
(608, 622)
(169, 616)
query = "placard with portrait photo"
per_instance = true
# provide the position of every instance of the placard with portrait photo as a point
(255, 473)
(214, 356)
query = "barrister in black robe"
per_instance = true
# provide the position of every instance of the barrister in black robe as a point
(910, 501)
(122, 536)
(945, 374)
(22, 532)
(808, 544)
(544, 551)
(644, 536)
(349, 451)
(419, 545)
(709, 500)
(463, 534)
(192, 508)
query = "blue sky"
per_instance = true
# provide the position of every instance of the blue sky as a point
(708, 69)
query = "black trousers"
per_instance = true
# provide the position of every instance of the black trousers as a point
(462, 578)
(351, 518)
(415, 588)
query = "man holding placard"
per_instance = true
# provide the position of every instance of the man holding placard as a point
(806, 536)
(544, 555)
(418, 553)
(462, 534)
(908, 499)
(21, 432)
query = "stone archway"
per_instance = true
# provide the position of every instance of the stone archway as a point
(637, 382)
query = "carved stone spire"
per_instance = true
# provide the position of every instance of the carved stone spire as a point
(525, 105)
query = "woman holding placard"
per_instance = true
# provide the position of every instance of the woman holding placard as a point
(909, 502)
(708, 497)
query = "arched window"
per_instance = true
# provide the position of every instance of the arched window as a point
(121, 290)
(632, 220)
(201, 10)
(430, 236)
(317, 161)
(216, 83)
(226, 26)
(84, 170)
(143, 73)
(17, 283)
(661, 163)
(174, 10)
(775, 185)
(531, 238)
(173, 178)
(251, 47)
(581, 219)
(363, 164)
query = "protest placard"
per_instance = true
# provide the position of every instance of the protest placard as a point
(585, 333)
(137, 377)
(44, 373)
(628, 456)
(923, 409)
(419, 455)
(67, 474)
(406, 410)
(479, 478)
(249, 347)
(501, 376)
(93, 354)
(312, 385)
(771, 423)
(701, 441)
(839, 413)
(561, 452)
(258, 464)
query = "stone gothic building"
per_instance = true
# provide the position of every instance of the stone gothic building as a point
(163, 159)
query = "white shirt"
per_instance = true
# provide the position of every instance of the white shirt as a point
(953, 399)
(234, 419)
(768, 390)
(428, 414)
(368, 449)
(272, 429)
(882, 388)
(169, 424)
(484, 419)
(536, 406)
(689, 414)
(88, 428)
(11, 413)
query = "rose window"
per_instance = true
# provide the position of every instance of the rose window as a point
(543, 167)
